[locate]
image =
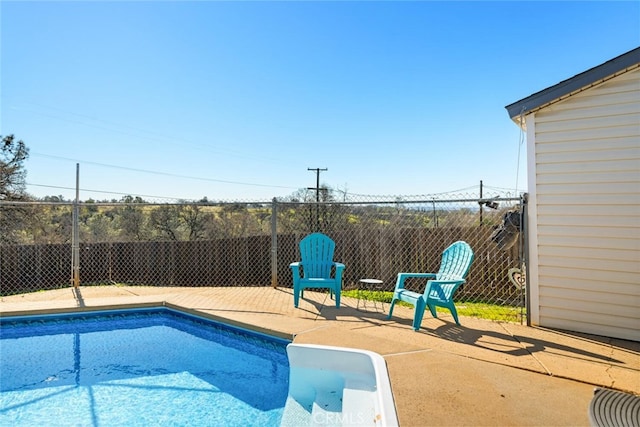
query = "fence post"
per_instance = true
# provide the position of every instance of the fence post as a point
(524, 252)
(75, 238)
(480, 203)
(274, 243)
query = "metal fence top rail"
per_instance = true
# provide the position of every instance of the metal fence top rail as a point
(262, 203)
(132, 204)
(399, 202)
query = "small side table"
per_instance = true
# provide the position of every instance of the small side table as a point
(370, 285)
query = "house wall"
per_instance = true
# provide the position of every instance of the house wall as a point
(584, 217)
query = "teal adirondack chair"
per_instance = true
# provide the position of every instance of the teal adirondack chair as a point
(440, 286)
(316, 251)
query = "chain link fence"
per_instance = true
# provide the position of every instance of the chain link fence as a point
(137, 242)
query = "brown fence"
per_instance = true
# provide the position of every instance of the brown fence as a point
(247, 261)
(245, 244)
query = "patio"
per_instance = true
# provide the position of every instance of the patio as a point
(483, 373)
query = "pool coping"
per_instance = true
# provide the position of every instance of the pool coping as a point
(146, 305)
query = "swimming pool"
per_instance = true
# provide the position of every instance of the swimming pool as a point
(138, 367)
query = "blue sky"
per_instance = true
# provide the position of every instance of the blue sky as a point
(236, 100)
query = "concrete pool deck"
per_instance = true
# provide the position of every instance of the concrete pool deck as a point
(482, 373)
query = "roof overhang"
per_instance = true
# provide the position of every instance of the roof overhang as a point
(576, 84)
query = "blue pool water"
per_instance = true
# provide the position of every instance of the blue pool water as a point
(145, 367)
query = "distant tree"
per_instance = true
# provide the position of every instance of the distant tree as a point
(98, 228)
(13, 153)
(48, 224)
(194, 219)
(166, 221)
(299, 216)
(131, 199)
(131, 220)
(54, 199)
(133, 224)
(263, 214)
(332, 216)
(89, 208)
(309, 212)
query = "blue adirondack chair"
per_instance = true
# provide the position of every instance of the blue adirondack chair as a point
(440, 286)
(316, 251)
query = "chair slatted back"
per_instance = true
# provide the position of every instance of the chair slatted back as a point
(455, 265)
(316, 252)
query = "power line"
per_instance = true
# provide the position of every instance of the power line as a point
(161, 173)
(103, 191)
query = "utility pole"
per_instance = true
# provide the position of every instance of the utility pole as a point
(481, 203)
(317, 188)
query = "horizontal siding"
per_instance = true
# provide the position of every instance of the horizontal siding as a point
(588, 220)
(600, 306)
(629, 142)
(629, 129)
(590, 209)
(589, 281)
(628, 245)
(590, 188)
(614, 234)
(627, 280)
(581, 199)
(588, 103)
(589, 177)
(608, 326)
(605, 157)
(607, 263)
(597, 254)
(558, 128)
(587, 185)
(601, 313)
(595, 112)
(620, 94)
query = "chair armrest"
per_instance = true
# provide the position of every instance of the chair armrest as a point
(403, 276)
(339, 269)
(295, 269)
(439, 283)
(426, 275)
(447, 282)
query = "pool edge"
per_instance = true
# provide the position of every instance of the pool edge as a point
(147, 305)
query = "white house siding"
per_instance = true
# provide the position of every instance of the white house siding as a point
(585, 210)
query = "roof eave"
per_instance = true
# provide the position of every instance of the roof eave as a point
(575, 84)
